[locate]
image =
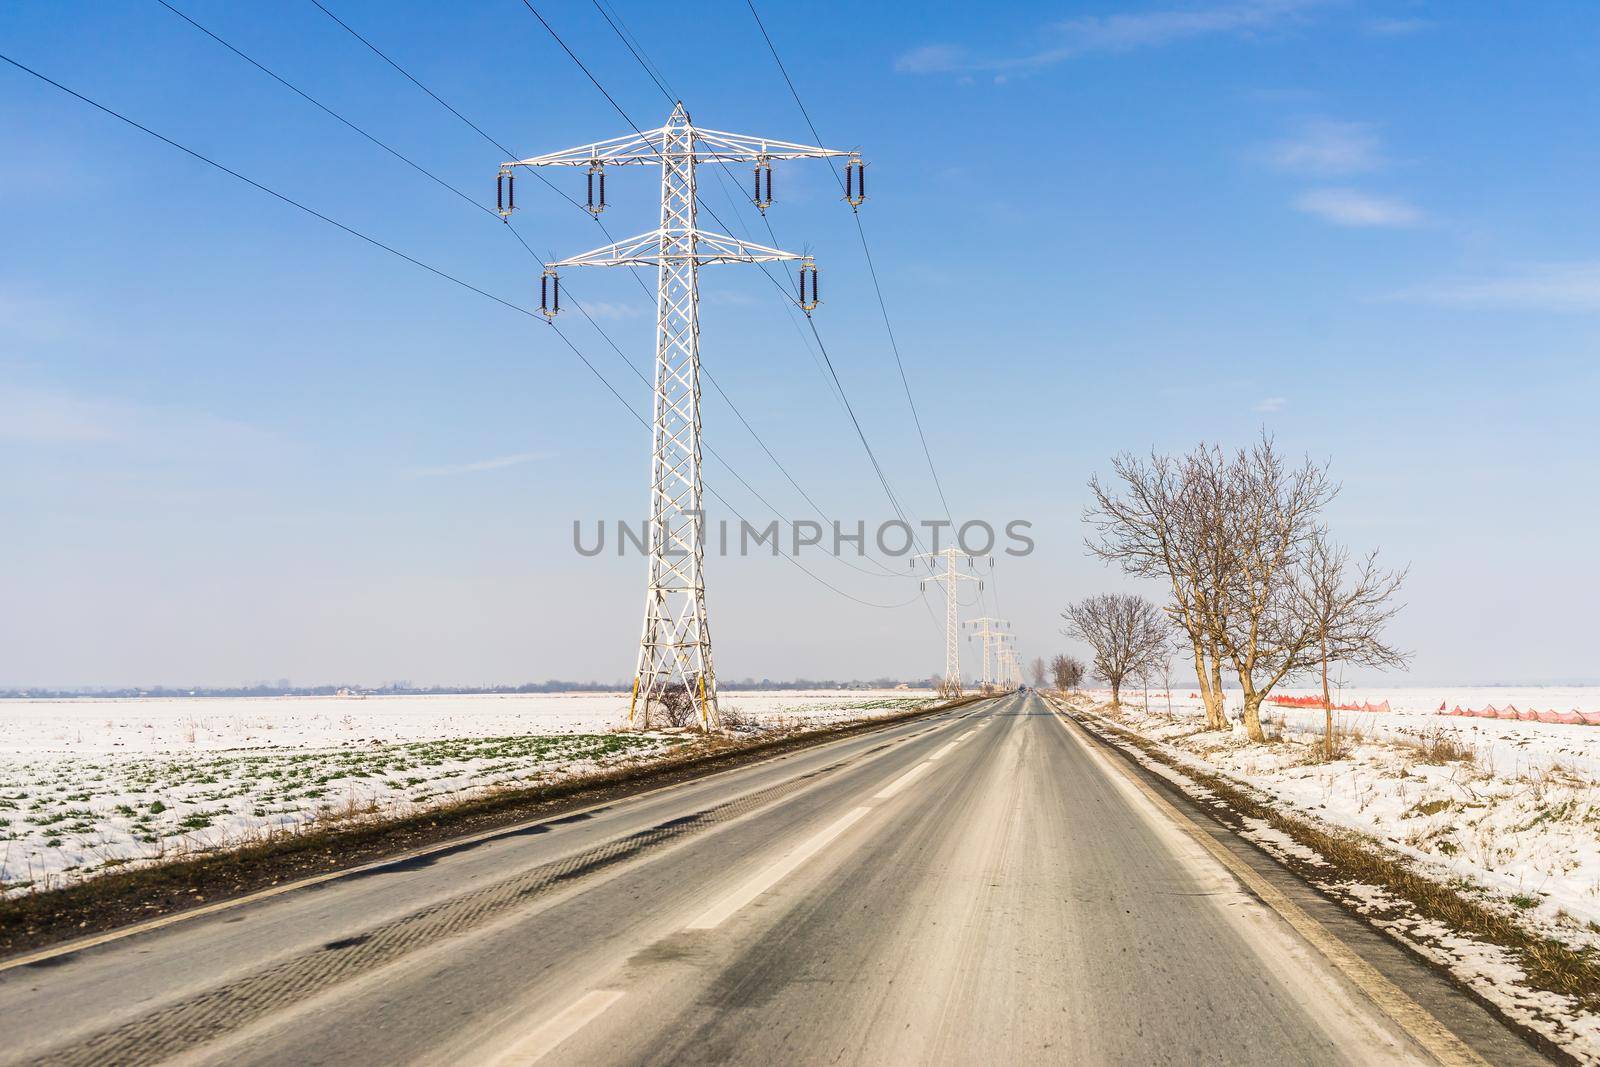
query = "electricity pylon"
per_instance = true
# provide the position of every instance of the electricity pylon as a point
(1010, 668)
(675, 649)
(952, 624)
(992, 631)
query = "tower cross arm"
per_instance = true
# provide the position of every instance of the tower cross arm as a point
(676, 246)
(724, 147)
(629, 149)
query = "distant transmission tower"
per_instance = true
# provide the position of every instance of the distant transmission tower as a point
(993, 633)
(950, 579)
(675, 650)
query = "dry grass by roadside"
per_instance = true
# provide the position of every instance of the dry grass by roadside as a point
(122, 897)
(1548, 964)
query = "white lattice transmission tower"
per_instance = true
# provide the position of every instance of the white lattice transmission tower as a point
(675, 648)
(1011, 667)
(993, 633)
(951, 579)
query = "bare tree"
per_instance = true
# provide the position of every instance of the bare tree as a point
(1123, 630)
(1267, 530)
(1067, 672)
(1038, 672)
(1255, 583)
(1164, 524)
(1347, 606)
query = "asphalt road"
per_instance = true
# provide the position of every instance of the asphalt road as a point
(980, 886)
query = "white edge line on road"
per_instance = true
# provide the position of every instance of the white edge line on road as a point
(1440, 1042)
(773, 872)
(550, 1034)
(901, 782)
(945, 750)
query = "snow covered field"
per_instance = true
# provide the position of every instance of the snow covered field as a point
(87, 785)
(1512, 806)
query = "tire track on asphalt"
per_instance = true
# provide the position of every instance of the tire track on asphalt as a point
(192, 1022)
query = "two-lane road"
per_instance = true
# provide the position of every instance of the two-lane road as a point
(980, 886)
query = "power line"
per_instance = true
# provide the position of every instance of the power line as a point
(628, 43)
(871, 266)
(328, 110)
(415, 262)
(413, 81)
(392, 151)
(860, 433)
(831, 375)
(883, 571)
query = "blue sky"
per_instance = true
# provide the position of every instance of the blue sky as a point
(239, 444)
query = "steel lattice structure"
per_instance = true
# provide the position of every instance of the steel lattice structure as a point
(950, 579)
(993, 633)
(675, 649)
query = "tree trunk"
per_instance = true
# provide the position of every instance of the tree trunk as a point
(1327, 703)
(1219, 696)
(1210, 694)
(1116, 694)
(1252, 715)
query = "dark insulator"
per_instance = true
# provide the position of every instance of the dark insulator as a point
(544, 293)
(769, 185)
(499, 192)
(855, 182)
(602, 189)
(511, 191)
(556, 285)
(808, 295)
(591, 191)
(757, 197)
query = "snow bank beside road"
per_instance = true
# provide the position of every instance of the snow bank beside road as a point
(1511, 806)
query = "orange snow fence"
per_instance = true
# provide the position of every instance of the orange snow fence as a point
(1316, 702)
(1510, 712)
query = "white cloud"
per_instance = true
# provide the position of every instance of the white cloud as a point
(1396, 27)
(1326, 147)
(1351, 207)
(28, 318)
(1113, 33)
(44, 416)
(931, 59)
(49, 418)
(605, 309)
(1571, 287)
(477, 465)
(1271, 403)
